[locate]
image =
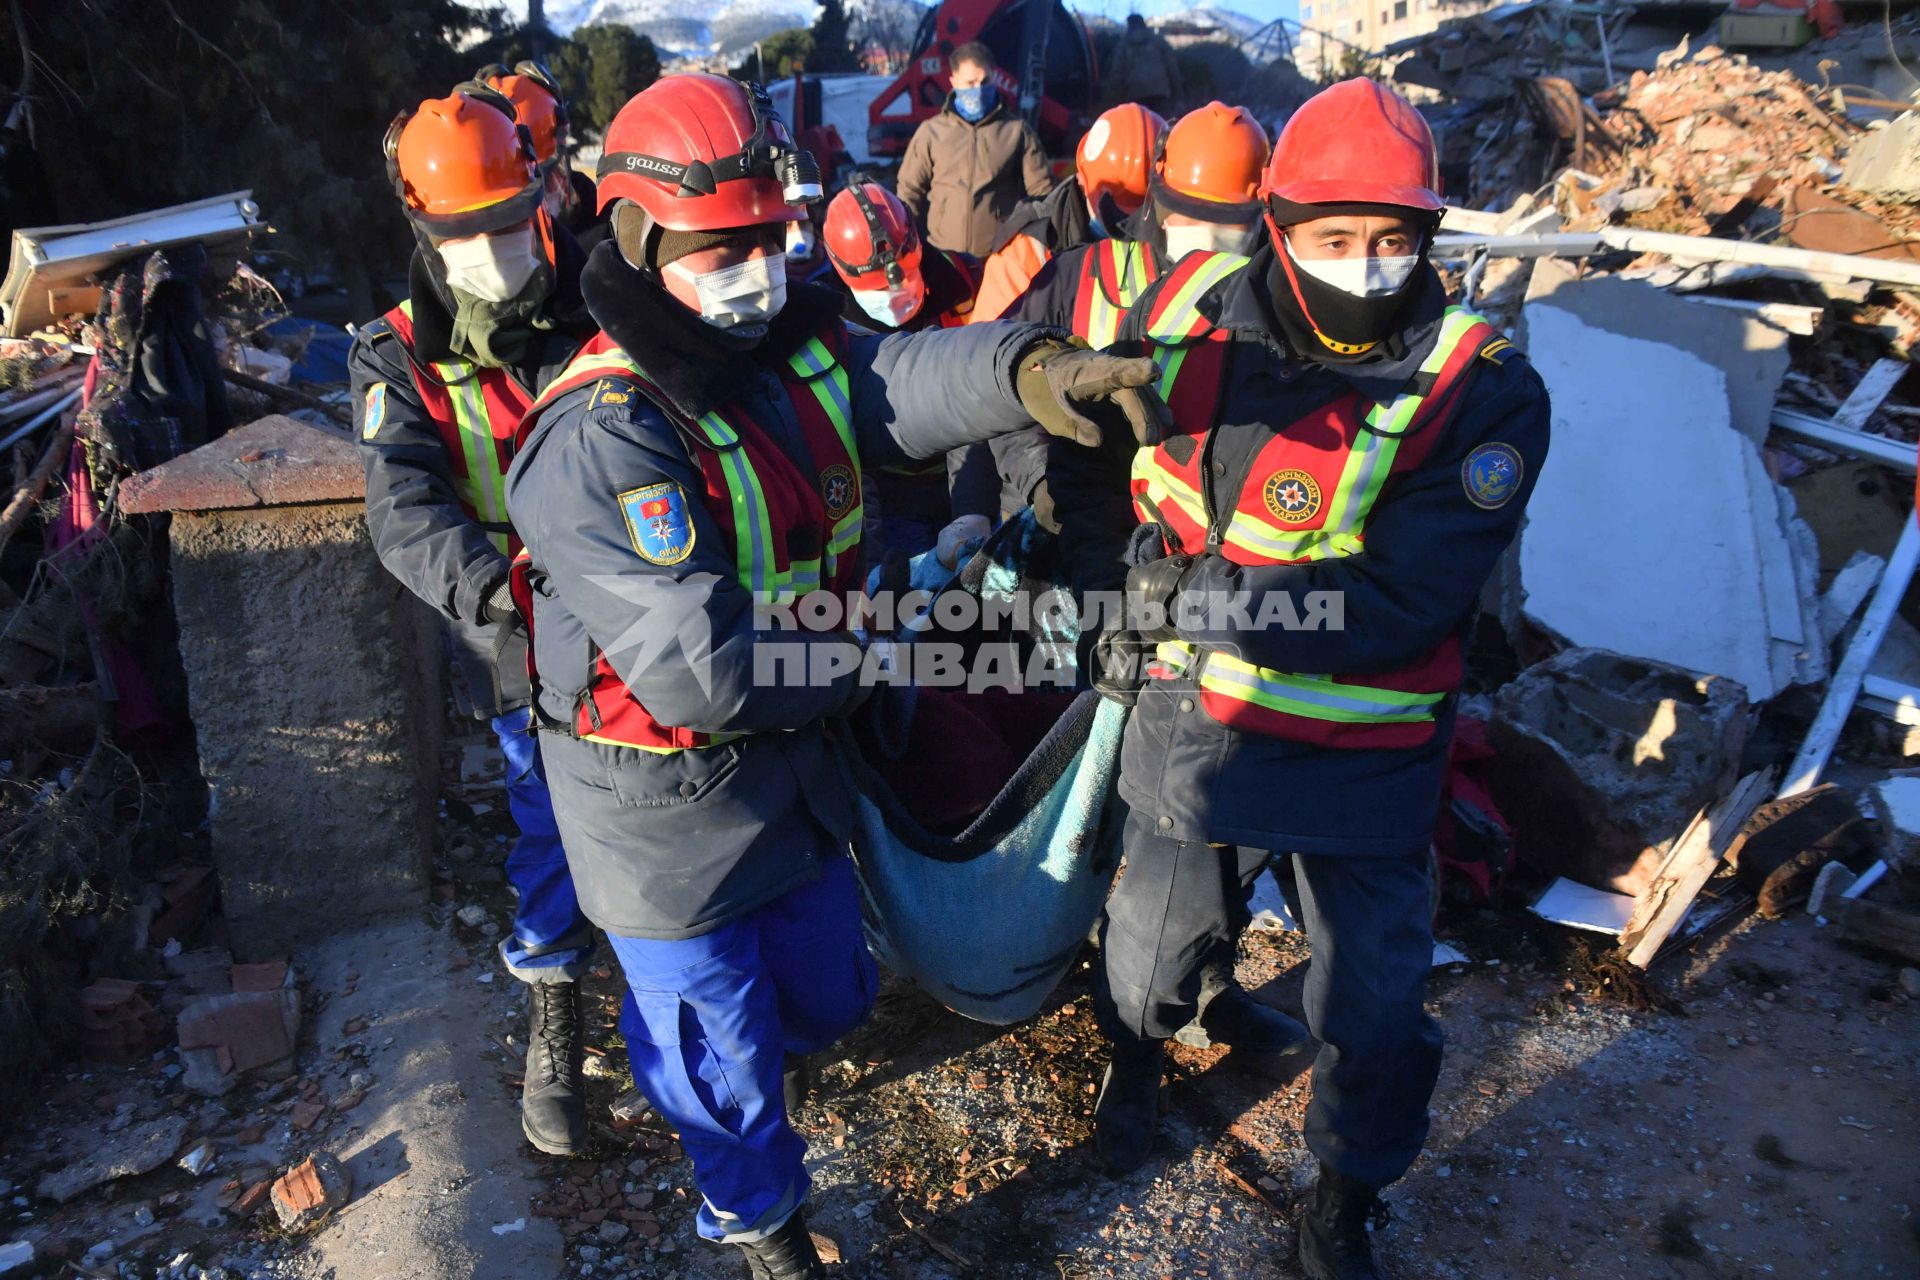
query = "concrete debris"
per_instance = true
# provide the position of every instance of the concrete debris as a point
(1602, 760)
(1898, 802)
(1887, 160)
(15, 1255)
(226, 1038)
(123, 1155)
(198, 1161)
(1847, 592)
(312, 1189)
(1646, 464)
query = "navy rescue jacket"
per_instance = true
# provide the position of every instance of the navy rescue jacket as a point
(674, 844)
(1429, 548)
(420, 531)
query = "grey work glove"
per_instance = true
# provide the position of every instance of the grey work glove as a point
(498, 606)
(1081, 395)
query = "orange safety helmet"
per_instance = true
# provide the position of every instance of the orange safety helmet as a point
(705, 153)
(1216, 153)
(870, 239)
(537, 103)
(1354, 143)
(461, 165)
(1116, 157)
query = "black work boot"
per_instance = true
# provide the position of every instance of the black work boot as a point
(553, 1102)
(1333, 1230)
(796, 1082)
(1236, 1020)
(787, 1254)
(1127, 1114)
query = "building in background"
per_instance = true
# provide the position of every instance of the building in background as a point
(1336, 32)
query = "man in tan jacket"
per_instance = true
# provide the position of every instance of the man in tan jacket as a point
(967, 167)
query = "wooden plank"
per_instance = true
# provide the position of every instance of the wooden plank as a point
(1663, 905)
(1875, 385)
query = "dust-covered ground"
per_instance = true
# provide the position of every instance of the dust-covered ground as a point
(1762, 1124)
(1749, 1112)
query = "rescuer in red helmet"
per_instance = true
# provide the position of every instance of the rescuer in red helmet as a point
(1350, 456)
(897, 282)
(439, 383)
(691, 481)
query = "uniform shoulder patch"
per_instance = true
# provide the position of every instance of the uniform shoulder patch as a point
(1498, 351)
(658, 522)
(610, 393)
(374, 414)
(1491, 475)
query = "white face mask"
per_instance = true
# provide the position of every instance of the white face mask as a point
(800, 240)
(1209, 237)
(750, 292)
(492, 268)
(892, 307)
(1361, 277)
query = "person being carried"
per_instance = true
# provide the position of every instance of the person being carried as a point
(690, 480)
(439, 386)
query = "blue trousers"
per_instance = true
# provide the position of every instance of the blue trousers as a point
(1180, 905)
(550, 940)
(709, 1021)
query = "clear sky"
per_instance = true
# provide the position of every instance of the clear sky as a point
(1265, 10)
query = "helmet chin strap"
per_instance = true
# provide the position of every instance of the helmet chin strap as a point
(1293, 282)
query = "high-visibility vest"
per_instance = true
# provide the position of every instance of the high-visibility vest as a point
(1113, 275)
(1306, 498)
(478, 412)
(790, 531)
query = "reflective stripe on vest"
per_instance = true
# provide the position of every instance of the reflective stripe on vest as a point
(1128, 267)
(1368, 463)
(757, 542)
(1391, 710)
(482, 478)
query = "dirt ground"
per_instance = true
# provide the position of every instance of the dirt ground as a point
(1758, 1120)
(1762, 1125)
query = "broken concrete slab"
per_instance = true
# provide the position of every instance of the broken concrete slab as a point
(134, 1151)
(1898, 800)
(1749, 351)
(1886, 159)
(1602, 760)
(1647, 472)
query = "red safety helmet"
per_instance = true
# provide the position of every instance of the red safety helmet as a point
(706, 153)
(1355, 143)
(1116, 157)
(537, 104)
(870, 239)
(462, 165)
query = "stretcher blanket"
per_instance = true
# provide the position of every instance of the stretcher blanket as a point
(984, 858)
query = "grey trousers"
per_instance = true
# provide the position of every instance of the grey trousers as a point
(1180, 908)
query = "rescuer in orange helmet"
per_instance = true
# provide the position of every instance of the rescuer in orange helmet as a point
(539, 104)
(1300, 561)
(439, 386)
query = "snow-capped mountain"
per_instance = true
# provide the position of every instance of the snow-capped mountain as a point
(1227, 22)
(685, 28)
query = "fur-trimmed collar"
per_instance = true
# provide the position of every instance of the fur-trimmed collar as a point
(695, 365)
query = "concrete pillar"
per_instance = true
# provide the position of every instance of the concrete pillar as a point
(313, 679)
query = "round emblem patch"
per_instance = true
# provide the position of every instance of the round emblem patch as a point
(838, 489)
(1293, 496)
(1491, 475)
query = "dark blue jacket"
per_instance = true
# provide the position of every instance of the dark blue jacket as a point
(672, 845)
(420, 531)
(1429, 551)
